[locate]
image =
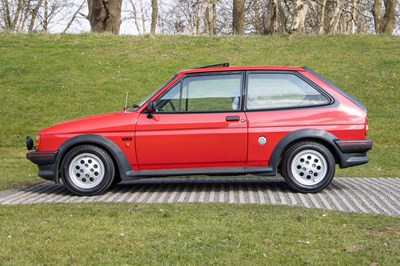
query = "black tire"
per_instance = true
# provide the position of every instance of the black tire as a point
(87, 170)
(308, 167)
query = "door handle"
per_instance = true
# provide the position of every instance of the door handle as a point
(232, 118)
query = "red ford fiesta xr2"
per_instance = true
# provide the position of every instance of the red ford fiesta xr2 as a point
(213, 120)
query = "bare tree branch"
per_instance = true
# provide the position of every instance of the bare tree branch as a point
(74, 17)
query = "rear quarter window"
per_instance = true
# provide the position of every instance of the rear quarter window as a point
(281, 90)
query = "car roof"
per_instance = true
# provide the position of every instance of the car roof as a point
(218, 68)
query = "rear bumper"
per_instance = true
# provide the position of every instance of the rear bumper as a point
(354, 146)
(46, 162)
(353, 152)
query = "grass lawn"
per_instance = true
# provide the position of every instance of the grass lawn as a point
(193, 234)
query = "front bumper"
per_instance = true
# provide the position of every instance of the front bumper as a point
(46, 162)
(353, 152)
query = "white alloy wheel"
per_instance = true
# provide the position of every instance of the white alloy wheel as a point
(309, 167)
(86, 170)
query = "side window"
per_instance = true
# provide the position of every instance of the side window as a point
(203, 94)
(272, 91)
(170, 102)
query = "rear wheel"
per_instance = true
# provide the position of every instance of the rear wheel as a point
(87, 170)
(308, 167)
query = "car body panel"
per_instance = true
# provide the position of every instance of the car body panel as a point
(118, 127)
(191, 140)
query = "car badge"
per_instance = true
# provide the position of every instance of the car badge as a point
(262, 140)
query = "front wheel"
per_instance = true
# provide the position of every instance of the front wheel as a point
(87, 170)
(308, 167)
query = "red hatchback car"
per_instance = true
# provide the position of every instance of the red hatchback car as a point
(213, 120)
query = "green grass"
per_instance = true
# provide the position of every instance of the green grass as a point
(45, 79)
(193, 234)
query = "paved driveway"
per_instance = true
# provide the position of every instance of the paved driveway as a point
(365, 195)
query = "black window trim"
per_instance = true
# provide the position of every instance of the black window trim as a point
(330, 99)
(242, 90)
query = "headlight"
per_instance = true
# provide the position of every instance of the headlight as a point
(37, 141)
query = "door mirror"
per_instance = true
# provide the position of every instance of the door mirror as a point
(151, 107)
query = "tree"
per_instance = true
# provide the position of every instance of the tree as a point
(154, 16)
(321, 29)
(353, 16)
(210, 17)
(204, 17)
(142, 16)
(384, 23)
(335, 16)
(105, 15)
(74, 16)
(300, 9)
(238, 17)
(272, 17)
(196, 27)
(36, 15)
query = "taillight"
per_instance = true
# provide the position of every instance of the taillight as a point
(366, 126)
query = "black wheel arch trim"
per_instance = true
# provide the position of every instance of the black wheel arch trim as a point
(304, 134)
(109, 146)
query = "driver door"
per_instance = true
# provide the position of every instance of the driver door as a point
(199, 123)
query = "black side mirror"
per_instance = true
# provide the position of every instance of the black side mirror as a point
(151, 108)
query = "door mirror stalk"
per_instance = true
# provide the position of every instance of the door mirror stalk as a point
(151, 108)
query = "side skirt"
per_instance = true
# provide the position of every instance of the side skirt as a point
(265, 171)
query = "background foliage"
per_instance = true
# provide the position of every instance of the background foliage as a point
(202, 17)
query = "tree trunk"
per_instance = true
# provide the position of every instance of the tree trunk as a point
(196, 26)
(271, 19)
(105, 15)
(142, 16)
(334, 21)
(17, 16)
(389, 19)
(214, 19)
(154, 16)
(46, 15)
(322, 20)
(360, 20)
(209, 17)
(6, 14)
(300, 11)
(135, 17)
(24, 17)
(238, 17)
(384, 23)
(34, 15)
(353, 16)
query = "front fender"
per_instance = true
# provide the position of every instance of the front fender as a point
(116, 153)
